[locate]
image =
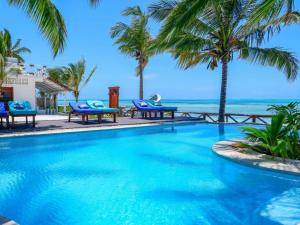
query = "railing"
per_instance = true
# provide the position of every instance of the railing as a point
(213, 117)
(229, 117)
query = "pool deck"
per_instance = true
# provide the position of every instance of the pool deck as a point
(252, 158)
(62, 125)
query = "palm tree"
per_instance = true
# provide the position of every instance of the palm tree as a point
(7, 50)
(217, 31)
(49, 20)
(135, 40)
(58, 75)
(12, 50)
(72, 76)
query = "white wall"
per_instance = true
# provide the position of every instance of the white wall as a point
(24, 88)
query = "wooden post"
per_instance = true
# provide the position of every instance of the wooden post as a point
(33, 121)
(115, 117)
(65, 103)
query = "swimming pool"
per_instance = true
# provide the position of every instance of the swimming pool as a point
(154, 175)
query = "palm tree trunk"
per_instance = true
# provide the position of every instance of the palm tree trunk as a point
(76, 95)
(141, 82)
(223, 91)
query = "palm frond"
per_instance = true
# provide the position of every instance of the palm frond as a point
(133, 11)
(94, 2)
(258, 33)
(275, 57)
(269, 9)
(48, 19)
(92, 72)
(160, 10)
(118, 29)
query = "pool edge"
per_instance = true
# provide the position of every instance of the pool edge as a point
(89, 129)
(225, 150)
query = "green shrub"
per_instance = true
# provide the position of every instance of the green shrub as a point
(281, 137)
(61, 109)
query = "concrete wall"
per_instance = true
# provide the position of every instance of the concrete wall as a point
(24, 88)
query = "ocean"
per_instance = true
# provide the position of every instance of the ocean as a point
(243, 106)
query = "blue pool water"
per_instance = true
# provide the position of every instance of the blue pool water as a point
(161, 175)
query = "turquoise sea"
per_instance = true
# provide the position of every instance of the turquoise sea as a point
(244, 106)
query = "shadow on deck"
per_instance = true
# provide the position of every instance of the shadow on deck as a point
(50, 125)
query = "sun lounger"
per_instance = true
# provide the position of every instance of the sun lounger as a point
(21, 109)
(92, 108)
(3, 114)
(146, 107)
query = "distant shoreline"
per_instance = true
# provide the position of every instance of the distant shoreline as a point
(245, 106)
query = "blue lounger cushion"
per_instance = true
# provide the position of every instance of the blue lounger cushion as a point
(151, 108)
(83, 106)
(95, 104)
(139, 105)
(21, 108)
(166, 108)
(76, 108)
(3, 112)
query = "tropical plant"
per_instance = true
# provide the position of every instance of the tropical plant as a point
(12, 50)
(73, 76)
(292, 113)
(218, 31)
(135, 40)
(281, 137)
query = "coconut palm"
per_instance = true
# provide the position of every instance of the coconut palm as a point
(10, 49)
(7, 50)
(58, 75)
(5, 70)
(216, 32)
(73, 76)
(135, 40)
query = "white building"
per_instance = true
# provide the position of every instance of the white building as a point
(33, 85)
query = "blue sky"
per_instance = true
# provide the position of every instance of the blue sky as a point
(88, 37)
